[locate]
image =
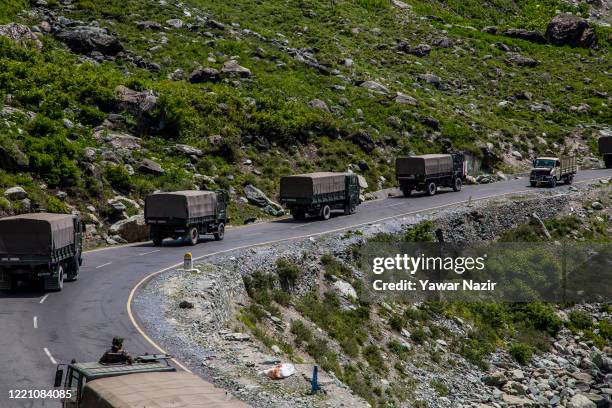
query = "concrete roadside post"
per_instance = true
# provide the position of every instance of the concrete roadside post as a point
(188, 263)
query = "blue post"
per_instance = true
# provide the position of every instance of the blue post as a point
(314, 383)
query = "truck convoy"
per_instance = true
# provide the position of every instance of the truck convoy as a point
(317, 194)
(430, 171)
(605, 149)
(551, 170)
(40, 247)
(186, 214)
(149, 382)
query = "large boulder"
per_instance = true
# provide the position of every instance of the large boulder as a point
(527, 35)
(88, 39)
(232, 68)
(188, 150)
(12, 159)
(20, 34)
(204, 75)
(375, 86)
(140, 104)
(568, 29)
(15, 193)
(118, 140)
(150, 167)
(260, 199)
(133, 229)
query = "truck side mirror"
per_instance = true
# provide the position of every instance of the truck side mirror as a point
(533, 163)
(59, 375)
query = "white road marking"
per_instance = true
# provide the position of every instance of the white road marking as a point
(298, 226)
(103, 265)
(43, 299)
(35, 321)
(150, 276)
(48, 353)
(149, 253)
(395, 205)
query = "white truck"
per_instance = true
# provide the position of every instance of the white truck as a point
(551, 170)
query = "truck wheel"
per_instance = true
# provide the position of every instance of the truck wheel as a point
(569, 179)
(457, 185)
(157, 241)
(350, 208)
(431, 188)
(325, 212)
(553, 183)
(407, 191)
(194, 236)
(59, 281)
(220, 232)
(298, 215)
(533, 183)
(72, 271)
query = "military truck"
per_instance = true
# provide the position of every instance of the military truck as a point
(149, 382)
(605, 149)
(40, 247)
(551, 170)
(317, 194)
(430, 171)
(186, 215)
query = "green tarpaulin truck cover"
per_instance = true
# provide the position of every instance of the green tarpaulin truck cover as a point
(181, 204)
(309, 185)
(426, 164)
(36, 234)
(605, 144)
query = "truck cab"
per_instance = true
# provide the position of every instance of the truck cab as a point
(73, 378)
(551, 170)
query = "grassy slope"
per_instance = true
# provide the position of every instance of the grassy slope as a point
(281, 134)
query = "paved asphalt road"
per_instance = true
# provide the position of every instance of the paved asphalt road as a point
(37, 329)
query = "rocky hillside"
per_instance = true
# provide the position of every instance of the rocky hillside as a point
(103, 103)
(306, 302)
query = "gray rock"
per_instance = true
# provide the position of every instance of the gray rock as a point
(319, 104)
(496, 379)
(375, 86)
(258, 197)
(149, 25)
(204, 75)
(139, 104)
(175, 23)
(15, 193)
(517, 155)
(232, 68)
(420, 50)
(580, 401)
(524, 34)
(431, 79)
(568, 29)
(133, 229)
(514, 58)
(596, 205)
(241, 337)
(405, 99)
(151, 167)
(188, 150)
(88, 39)
(12, 158)
(345, 289)
(20, 34)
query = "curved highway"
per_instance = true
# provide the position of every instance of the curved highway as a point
(37, 329)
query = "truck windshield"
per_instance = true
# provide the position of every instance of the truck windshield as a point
(544, 163)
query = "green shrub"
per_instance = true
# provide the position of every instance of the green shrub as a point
(5, 204)
(301, 332)
(440, 388)
(287, 272)
(580, 320)
(397, 322)
(55, 205)
(118, 177)
(281, 297)
(372, 355)
(398, 349)
(418, 335)
(521, 352)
